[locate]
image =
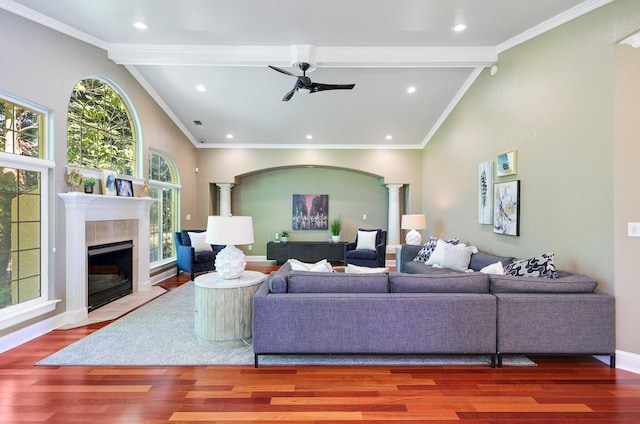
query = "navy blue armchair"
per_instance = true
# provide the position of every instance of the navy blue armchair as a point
(365, 257)
(188, 259)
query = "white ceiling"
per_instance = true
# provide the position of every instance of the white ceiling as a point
(382, 46)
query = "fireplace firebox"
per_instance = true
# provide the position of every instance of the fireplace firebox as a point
(110, 273)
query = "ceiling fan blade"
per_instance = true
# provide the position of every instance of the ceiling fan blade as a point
(317, 86)
(295, 88)
(282, 71)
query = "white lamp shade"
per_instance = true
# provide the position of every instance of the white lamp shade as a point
(229, 230)
(413, 222)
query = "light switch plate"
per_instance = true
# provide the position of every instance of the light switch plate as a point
(633, 229)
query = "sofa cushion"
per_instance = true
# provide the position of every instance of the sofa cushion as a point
(337, 282)
(277, 280)
(198, 241)
(428, 248)
(457, 257)
(480, 260)
(540, 266)
(320, 266)
(438, 283)
(569, 283)
(496, 268)
(205, 256)
(355, 269)
(366, 240)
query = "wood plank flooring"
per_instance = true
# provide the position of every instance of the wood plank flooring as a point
(559, 390)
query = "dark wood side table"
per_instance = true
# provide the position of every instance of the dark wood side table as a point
(306, 251)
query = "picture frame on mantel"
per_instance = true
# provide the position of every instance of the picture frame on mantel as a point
(109, 182)
(507, 163)
(124, 187)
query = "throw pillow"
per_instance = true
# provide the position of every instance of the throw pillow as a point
(438, 252)
(366, 240)
(320, 266)
(540, 266)
(425, 252)
(198, 241)
(457, 257)
(355, 269)
(496, 269)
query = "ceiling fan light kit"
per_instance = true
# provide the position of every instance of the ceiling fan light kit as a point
(304, 83)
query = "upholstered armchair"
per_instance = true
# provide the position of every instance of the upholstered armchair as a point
(195, 255)
(367, 250)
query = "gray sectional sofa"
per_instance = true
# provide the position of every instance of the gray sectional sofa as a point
(425, 310)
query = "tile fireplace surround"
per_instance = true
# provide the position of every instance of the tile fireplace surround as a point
(93, 219)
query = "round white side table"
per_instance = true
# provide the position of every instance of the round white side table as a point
(224, 308)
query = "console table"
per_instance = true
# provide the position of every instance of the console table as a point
(306, 251)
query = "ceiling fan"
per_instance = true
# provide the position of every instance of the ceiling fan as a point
(304, 82)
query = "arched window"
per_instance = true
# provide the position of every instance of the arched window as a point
(100, 130)
(164, 186)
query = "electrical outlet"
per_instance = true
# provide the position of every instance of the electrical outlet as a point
(250, 246)
(188, 217)
(633, 229)
(364, 216)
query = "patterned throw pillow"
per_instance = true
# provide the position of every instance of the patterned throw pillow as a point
(540, 266)
(428, 248)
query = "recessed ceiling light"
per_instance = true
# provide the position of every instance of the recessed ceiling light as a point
(459, 27)
(201, 88)
(229, 136)
(140, 25)
(308, 136)
(411, 89)
(389, 137)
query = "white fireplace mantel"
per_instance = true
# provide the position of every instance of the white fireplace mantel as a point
(80, 208)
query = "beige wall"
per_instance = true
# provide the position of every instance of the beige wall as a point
(553, 101)
(627, 197)
(42, 66)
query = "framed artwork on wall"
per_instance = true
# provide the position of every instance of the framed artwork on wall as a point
(506, 208)
(310, 212)
(485, 193)
(124, 187)
(507, 163)
(109, 182)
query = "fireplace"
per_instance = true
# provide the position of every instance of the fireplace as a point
(109, 273)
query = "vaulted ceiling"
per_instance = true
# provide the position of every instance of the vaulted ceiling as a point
(207, 61)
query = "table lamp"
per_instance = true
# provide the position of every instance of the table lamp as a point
(230, 230)
(413, 222)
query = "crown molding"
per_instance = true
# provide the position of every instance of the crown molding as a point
(632, 40)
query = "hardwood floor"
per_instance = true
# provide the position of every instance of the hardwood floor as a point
(558, 390)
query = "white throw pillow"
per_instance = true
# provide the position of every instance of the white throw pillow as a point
(457, 257)
(366, 240)
(320, 266)
(438, 253)
(496, 269)
(355, 269)
(198, 241)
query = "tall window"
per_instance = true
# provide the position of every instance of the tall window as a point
(100, 129)
(24, 189)
(163, 185)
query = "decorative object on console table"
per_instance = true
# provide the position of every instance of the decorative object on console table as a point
(414, 222)
(124, 187)
(284, 236)
(310, 212)
(88, 184)
(485, 193)
(507, 163)
(109, 182)
(335, 227)
(506, 208)
(230, 231)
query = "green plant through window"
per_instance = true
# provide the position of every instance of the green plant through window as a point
(100, 129)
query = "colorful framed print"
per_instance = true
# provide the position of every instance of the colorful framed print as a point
(124, 187)
(506, 208)
(310, 212)
(109, 182)
(507, 164)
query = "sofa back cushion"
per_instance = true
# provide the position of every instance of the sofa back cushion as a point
(567, 283)
(480, 260)
(438, 283)
(277, 280)
(337, 282)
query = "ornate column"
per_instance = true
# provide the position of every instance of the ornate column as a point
(225, 198)
(393, 232)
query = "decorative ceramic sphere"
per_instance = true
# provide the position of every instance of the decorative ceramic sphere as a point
(230, 262)
(414, 238)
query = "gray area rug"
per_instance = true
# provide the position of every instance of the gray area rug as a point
(161, 333)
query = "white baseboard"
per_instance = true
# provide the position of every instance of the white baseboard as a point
(31, 332)
(627, 361)
(163, 276)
